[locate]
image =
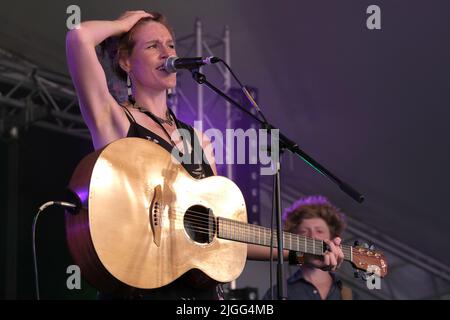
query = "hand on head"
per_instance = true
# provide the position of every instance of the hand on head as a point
(129, 18)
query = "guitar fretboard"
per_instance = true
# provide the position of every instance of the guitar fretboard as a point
(254, 234)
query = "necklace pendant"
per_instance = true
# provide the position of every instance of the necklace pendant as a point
(168, 119)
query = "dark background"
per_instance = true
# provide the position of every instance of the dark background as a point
(372, 106)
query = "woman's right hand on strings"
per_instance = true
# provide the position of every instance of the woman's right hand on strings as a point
(129, 18)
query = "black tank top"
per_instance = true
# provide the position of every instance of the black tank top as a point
(197, 166)
(179, 289)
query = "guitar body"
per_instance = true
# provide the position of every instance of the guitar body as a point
(145, 222)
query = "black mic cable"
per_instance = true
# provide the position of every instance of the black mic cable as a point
(244, 89)
(42, 208)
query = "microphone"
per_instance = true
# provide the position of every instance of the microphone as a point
(173, 63)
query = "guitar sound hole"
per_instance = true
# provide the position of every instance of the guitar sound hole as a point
(200, 224)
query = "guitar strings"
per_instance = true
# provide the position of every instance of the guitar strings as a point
(200, 227)
(309, 247)
(245, 226)
(245, 229)
(246, 232)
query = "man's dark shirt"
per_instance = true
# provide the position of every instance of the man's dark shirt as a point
(298, 288)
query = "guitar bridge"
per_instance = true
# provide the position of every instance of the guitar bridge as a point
(155, 213)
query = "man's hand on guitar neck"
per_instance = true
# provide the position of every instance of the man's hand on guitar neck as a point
(332, 258)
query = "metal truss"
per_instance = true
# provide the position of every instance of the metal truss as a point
(31, 96)
(204, 43)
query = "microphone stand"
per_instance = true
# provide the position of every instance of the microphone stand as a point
(281, 288)
(285, 143)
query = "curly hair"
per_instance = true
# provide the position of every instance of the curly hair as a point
(314, 207)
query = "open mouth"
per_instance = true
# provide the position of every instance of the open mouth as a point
(161, 68)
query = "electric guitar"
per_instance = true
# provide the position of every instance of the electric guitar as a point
(145, 222)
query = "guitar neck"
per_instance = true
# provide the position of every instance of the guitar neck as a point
(254, 234)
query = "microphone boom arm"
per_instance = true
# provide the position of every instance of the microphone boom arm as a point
(285, 142)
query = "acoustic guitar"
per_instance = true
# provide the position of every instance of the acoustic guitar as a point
(145, 222)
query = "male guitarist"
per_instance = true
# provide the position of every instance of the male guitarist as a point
(314, 217)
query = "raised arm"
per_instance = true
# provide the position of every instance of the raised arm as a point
(87, 74)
